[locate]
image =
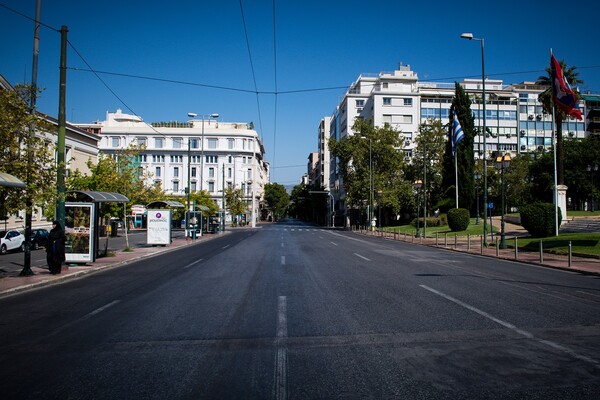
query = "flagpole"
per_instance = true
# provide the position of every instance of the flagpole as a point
(555, 194)
(456, 176)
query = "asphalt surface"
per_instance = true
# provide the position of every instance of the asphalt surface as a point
(291, 311)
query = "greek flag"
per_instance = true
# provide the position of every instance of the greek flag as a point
(457, 133)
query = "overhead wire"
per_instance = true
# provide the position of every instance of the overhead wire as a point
(252, 67)
(276, 88)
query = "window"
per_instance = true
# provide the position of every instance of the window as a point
(230, 144)
(157, 172)
(115, 141)
(386, 119)
(385, 85)
(175, 186)
(212, 143)
(140, 172)
(360, 103)
(194, 143)
(229, 172)
(176, 172)
(230, 159)
(141, 141)
(159, 142)
(408, 102)
(387, 101)
(193, 173)
(177, 143)
(211, 172)
(176, 159)
(193, 186)
(212, 159)
(211, 187)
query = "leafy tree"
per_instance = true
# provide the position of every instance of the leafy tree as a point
(27, 153)
(276, 199)
(571, 74)
(234, 202)
(383, 143)
(427, 158)
(461, 104)
(579, 154)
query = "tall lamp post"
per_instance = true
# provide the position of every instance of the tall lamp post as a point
(189, 168)
(469, 36)
(371, 224)
(592, 169)
(417, 185)
(502, 163)
(477, 177)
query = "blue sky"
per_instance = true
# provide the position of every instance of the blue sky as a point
(319, 44)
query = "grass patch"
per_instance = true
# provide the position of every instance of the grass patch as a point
(473, 229)
(127, 250)
(581, 243)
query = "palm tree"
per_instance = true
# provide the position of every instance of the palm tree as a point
(545, 98)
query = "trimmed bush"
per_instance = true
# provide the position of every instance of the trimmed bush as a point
(538, 219)
(431, 221)
(458, 219)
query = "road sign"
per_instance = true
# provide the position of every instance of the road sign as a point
(490, 206)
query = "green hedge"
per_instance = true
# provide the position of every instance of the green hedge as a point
(431, 221)
(538, 219)
(458, 219)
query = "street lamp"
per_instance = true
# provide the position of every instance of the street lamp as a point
(371, 224)
(592, 169)
(477, 177)
(502, 163)
(417, 185)
(189, 158)
(469, 36)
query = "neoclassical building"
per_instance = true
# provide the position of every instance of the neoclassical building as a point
(217, 154)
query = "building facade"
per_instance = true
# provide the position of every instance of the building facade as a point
(515, 122)
(200, 154)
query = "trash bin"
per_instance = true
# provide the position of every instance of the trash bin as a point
(114, 225)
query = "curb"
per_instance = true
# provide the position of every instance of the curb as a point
(96, 269)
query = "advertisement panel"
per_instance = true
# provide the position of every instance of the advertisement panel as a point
(79, 231)
(159, 227)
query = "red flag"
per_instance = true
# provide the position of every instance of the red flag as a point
(563, 95)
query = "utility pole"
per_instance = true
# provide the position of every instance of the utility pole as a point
(26, 271)
(62, 122)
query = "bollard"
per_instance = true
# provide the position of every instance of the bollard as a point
(469, 243)
(541, 252)
(481, 242)
(445, 239)
(497, 248)
(516, 249)
(455, 241)
(570, 254)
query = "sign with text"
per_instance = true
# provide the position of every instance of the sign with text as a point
(79, 232)
(159, 227)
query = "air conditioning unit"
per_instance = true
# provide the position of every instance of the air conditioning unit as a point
(406, 143)
(359, 109)
(522, 132)
(530, 117)
(406, 158)
(523, 147)
(538, 117)
(540, 148)
(571, 134)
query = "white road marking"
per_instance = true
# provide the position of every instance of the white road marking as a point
(282, 260)
(510, 326)
(194, 263)
(334, 243)
(85, 317)
(226, 246)
(280, 379)
(364, 258)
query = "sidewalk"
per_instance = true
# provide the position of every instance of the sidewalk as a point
(474, 245)
(14, 283)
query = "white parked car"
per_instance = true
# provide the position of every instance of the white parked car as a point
(11, 240)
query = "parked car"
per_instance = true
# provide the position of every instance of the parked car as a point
(39, 238)
(11, 240)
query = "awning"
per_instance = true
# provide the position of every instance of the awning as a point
(9, 180)
(164, 203)
(588, 97)
(96, 197)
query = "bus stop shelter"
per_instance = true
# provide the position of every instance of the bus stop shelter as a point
(82, 223)
(8, 180)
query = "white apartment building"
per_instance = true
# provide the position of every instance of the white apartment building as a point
(217, 154)
(514, 119)
(323, 159)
